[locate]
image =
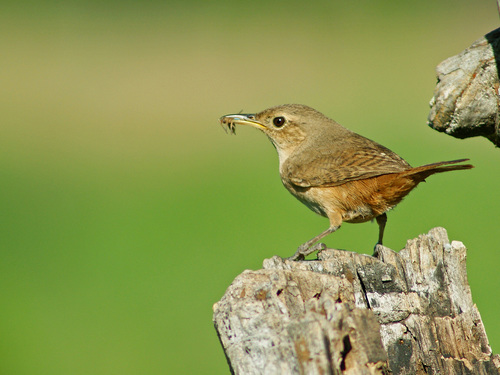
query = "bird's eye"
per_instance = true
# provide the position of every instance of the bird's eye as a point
(279, 121)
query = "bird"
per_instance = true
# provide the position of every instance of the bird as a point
(334, 171)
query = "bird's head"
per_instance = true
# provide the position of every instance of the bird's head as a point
(287, 126)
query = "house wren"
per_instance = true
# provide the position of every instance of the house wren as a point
(335, 172)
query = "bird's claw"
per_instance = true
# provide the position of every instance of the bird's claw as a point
(306, 249)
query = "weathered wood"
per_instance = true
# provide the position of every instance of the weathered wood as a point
(346, 313)
(466, 100)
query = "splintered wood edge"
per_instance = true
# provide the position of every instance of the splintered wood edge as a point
(309, 316)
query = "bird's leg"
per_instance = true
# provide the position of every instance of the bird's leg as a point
(381, 221)
(310, 246)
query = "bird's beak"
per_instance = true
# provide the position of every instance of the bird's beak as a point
(229, 122)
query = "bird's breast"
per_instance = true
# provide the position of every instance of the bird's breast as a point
(307, 196)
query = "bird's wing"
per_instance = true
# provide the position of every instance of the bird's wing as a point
(332, 167)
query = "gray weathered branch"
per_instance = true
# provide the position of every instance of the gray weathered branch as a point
(466, 100)
(403, 313)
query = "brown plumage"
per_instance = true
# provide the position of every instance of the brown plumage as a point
(335, 172)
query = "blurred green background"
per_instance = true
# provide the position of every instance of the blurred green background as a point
(126, 211)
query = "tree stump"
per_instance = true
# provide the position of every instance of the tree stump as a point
(466, 100)
(346, 313)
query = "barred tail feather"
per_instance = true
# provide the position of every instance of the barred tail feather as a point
(425, 171)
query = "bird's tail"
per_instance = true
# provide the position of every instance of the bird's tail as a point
(424, 171)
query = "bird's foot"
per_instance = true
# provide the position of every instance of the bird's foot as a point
(306, 249)
(378, 245)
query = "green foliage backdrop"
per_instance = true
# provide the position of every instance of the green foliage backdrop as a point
(126, 210)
